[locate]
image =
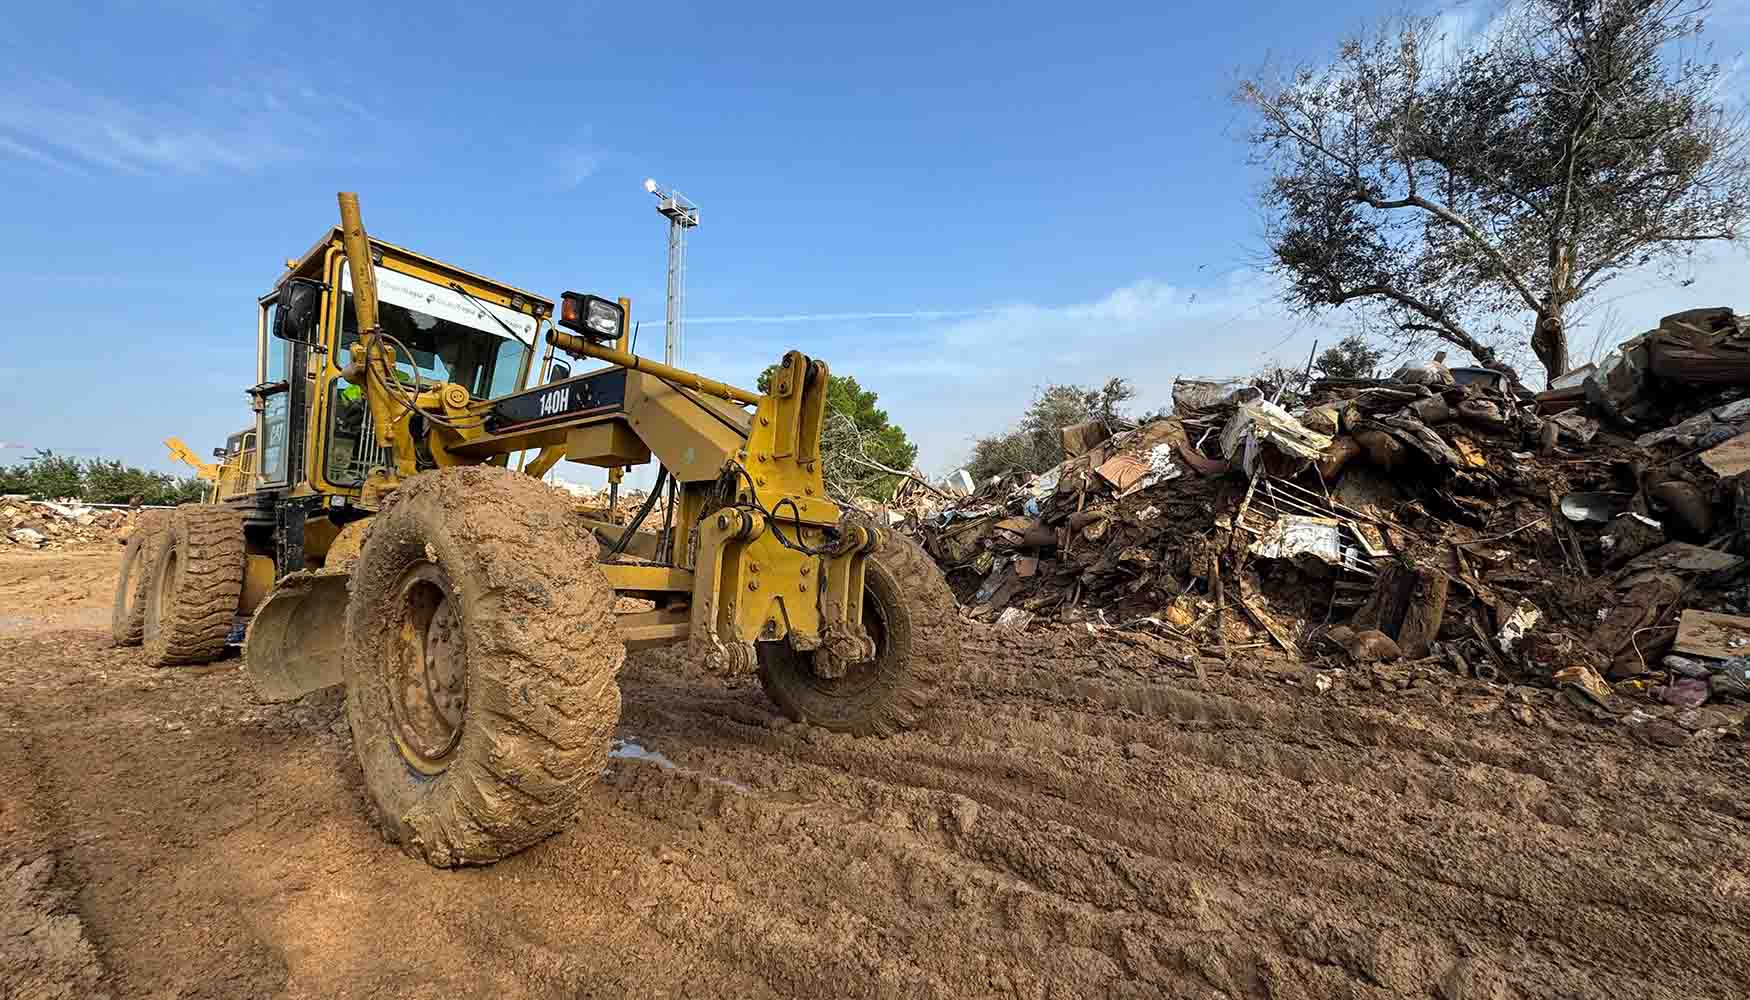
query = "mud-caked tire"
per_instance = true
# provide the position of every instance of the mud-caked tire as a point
(196, 582)
(127, 617)
(909, 612)
(481, 664)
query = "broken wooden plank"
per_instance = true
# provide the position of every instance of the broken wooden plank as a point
(1731, 458)
(1711, 634)
(1268, 624)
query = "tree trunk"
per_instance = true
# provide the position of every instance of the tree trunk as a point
(1549, 339)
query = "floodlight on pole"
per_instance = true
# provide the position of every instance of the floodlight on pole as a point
(682, 215)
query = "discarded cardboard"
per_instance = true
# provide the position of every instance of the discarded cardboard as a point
(1079, 439)
(1711, 634)
(1122, 471)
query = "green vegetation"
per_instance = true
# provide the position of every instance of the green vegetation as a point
(1035, 444)
(862, 453)
(49, 476)
(1479, 190)
(1351, 357)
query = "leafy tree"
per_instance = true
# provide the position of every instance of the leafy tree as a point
(49, 476)
(1035, 444)
(863, 454)
(1351, 357)
(1465, 192)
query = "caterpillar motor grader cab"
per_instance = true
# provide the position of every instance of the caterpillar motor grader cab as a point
(469, 608)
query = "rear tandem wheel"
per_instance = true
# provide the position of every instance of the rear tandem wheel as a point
(127, 616)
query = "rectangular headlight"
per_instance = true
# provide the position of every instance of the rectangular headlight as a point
(596, 318)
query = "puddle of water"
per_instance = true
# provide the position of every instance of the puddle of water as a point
(630, 750)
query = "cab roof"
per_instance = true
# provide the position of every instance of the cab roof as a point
(310, 266)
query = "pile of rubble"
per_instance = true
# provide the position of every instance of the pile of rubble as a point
(1592, 537)
(44, 524)
(600, 502)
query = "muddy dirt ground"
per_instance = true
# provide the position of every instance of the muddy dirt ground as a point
(1078, 818)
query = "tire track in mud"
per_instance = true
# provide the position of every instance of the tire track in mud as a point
(1190, 840)
(1077, 818)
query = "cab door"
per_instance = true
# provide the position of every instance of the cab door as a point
(271, 398)
(281, 401)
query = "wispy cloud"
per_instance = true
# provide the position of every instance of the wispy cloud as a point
(258, 120)
(21, 151)
(950, 375)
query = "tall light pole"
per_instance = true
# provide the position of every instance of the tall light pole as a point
(682, 215)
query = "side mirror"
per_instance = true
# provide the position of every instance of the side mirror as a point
(300, 306)
(558, 372)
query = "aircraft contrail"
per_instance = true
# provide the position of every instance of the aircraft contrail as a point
(840, 317)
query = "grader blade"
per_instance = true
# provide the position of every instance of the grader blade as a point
(296, 641)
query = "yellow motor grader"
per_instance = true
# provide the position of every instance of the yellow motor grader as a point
(385, 542)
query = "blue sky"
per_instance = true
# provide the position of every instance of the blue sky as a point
(1044, 192)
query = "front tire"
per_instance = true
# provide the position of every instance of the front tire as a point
(481, 664)
(909, 611)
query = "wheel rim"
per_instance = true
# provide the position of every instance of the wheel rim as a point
(167, 583)
(428, 668)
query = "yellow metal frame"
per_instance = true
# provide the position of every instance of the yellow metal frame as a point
(758, 551)
(392, 417)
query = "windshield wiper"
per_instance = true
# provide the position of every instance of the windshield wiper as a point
(488, 312)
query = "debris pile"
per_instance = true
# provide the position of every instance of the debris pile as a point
(1591, 537)
(45, 524)
(600, 503)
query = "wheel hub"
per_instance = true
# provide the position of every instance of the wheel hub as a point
(847, 675)
(428, 688)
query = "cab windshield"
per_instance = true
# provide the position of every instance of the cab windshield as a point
(484, 361)
(439, 335)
